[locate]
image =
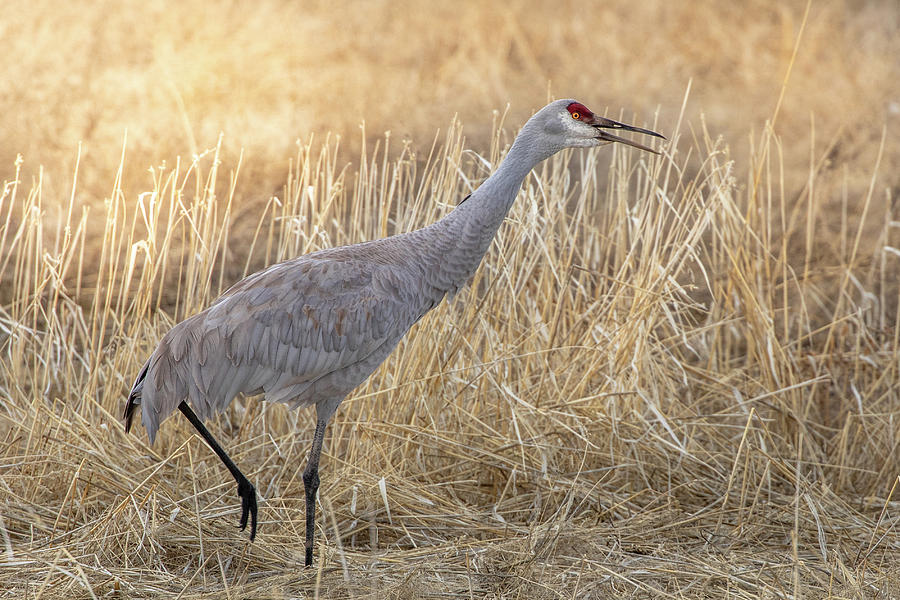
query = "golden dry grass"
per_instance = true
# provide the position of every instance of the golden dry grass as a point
(672, 377)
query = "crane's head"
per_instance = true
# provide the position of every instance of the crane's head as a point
(570, 124)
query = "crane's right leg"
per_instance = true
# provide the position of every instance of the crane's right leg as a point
(311, 486)
(245, 489)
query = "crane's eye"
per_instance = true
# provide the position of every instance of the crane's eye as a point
(576, 116)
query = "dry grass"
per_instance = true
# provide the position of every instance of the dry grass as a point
(672, 377)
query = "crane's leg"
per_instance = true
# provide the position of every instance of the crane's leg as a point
(245, 489)
(311, 485)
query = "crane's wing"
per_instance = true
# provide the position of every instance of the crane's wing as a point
(300, 331)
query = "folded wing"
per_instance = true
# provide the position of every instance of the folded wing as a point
(300, 331)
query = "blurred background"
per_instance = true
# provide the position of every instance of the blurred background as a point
(175, 75)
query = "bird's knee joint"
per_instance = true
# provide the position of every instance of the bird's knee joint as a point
(311, 479)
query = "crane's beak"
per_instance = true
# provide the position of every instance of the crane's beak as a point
(602, 123)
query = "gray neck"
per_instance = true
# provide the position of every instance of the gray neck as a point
(467, 232)
(496, 195)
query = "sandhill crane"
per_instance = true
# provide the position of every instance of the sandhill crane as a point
(309, 330)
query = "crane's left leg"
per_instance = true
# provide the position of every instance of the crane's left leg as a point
(245, 489)
(311, 485)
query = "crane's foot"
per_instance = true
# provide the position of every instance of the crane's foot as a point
(309, 557)
(248, 506)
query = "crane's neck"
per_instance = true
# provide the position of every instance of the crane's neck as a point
(495, 196)
(467, 232)
(485, 210)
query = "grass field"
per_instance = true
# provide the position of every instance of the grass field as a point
(672, 377)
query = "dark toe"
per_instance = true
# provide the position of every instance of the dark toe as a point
(248, 506)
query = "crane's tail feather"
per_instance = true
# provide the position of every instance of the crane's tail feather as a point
(134, 398)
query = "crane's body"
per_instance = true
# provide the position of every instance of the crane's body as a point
(309, 330)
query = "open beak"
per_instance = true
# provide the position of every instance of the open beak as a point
(602, 124)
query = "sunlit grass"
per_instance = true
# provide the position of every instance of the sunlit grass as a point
(672, 376)
(639, 376)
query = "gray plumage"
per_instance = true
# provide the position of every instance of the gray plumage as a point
(309, 330)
